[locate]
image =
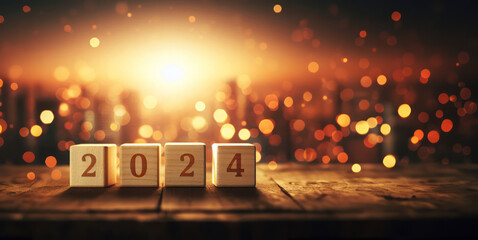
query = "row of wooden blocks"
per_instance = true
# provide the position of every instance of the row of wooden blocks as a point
(94, 165)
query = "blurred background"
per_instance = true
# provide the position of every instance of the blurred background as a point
(315, 82)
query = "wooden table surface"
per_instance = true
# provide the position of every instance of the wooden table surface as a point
(292, 201)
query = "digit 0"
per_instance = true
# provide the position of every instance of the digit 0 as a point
(144, 165)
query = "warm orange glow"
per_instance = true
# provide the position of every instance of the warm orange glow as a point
(366, 81)
(425, 73)
(2, 19)
(31, 175)
(272, 165)
(272, 102)
(192, 19)
(36, 130)
(145, 131)
(26, 9)
(298, 125)
(385, 129)
(319, 135)
(94, 42)
(220, 115)
(200, 106)
(389, 161)
(14, 86)
(433, 136)
(396, 16)
(343, 120)
(67, 28)
(372, 122)
(419, 134)
(443, 98)
(356, 168)
(199, 124)
(56, 174)
(23, 131)
(326, 159)
(381, 79)
(99, 135)
(50, 161)
(157, 135)
(28, 157)
(266, 126)
(227, 131)
(258, 156)
(404, 110)
(244, 134)
(363, 34)
(446, 125)
(307, 96)
(342, 157)
(313, 67)
(288, 102)
(243, 81)
(362, 127)
(64, 109)
(150, 102)
(47, 116)
(439, 113)
(277, 8)
(87, 126)
(364, 104)
(61, 73)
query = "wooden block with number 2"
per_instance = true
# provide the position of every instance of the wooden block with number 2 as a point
(234, 165)
(92, 165)
(139, 164)
(185, 164)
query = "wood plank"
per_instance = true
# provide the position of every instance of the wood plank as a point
(17, 193)
(409, 191)
(265, 197)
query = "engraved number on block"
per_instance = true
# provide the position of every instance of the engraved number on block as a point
(238, 170)
(184, 173)
(87, 172)
(144, 165)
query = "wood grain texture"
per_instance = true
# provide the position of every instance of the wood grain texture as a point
(185, 164)
(92, 165)
(45, 195)
(139, 165)
(265, 197)
(234, 165)
(406, 191)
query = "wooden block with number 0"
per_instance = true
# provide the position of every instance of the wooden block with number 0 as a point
(185, 164)
(92, 165)
(234, 165)
(139, 164)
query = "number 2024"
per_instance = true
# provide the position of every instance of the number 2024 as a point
(144, 165)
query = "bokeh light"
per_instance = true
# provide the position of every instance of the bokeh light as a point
(47, 116)
(389, 161)
(94, 42)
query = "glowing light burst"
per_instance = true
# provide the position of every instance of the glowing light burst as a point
(172, 72)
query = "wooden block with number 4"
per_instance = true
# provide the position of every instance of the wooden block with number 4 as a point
(185, 164)
(92, 165)
(139, 164)
(234, 165)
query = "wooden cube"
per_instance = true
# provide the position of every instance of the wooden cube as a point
(139, 164)
(92, 165)
(185, 165)
(234, 165)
